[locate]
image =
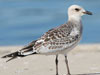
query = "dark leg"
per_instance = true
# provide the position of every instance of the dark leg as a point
(66, 61)
(56, 61)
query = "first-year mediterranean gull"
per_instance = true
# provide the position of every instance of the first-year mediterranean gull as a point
(59, 40)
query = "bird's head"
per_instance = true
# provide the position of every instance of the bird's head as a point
(76, 11)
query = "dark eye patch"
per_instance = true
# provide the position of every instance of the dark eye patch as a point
(77, 9)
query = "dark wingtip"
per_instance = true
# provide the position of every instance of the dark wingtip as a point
(4, 57)
(11, 59)
(12, 55)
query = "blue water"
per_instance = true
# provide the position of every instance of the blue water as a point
(22, 21)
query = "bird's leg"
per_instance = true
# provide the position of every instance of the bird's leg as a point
(66, 61)
(56, 61)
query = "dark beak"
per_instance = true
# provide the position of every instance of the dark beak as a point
(88, 12)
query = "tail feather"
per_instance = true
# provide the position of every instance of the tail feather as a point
(13, 56)
(17, 54)
(27, 50)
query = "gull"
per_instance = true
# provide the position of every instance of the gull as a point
(59, 40)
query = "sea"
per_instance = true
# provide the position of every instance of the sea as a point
(22, 21)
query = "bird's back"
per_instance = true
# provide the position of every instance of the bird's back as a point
(60, 38)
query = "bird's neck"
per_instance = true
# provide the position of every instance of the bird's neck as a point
(76, 22)
(74, 18)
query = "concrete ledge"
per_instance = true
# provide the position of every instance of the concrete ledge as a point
(83, 60)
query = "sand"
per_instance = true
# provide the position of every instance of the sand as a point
(83, 59)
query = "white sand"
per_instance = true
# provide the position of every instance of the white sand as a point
(83, 59)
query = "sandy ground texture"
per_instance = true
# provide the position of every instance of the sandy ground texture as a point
(83, 59)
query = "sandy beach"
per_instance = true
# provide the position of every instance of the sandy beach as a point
(82, 60)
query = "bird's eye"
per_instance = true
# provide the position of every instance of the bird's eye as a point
(77, 9)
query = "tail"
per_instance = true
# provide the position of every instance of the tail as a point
(27, 50)
(12, 56)
(17, 54)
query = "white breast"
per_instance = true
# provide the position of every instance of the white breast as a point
(74, 32)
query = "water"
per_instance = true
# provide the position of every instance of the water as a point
(22, 21)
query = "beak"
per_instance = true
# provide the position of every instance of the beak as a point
(88, 12)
